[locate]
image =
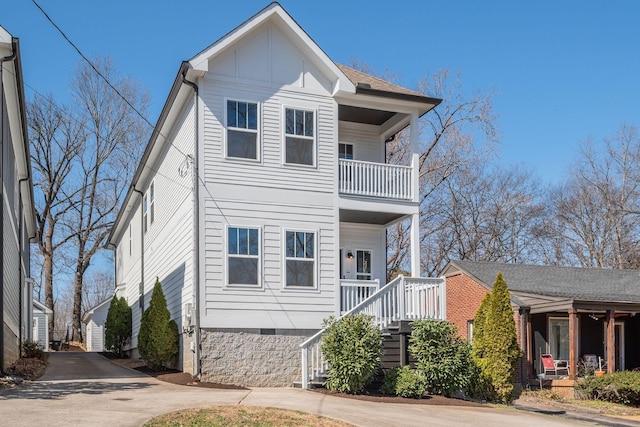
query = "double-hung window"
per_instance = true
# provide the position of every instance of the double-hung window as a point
(148, 206)
(242, 130)
(243, 256)
(300, 146)
(300, 259)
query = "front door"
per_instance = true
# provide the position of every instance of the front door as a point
(363, 264)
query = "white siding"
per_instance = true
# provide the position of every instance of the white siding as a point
(367, 145)
(268, 194)
(364, 237)
(168, 242)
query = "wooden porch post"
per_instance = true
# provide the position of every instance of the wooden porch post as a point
(524, 343)
(611, 341)
(573, 343)
(529, 346)
(414, 134)
(415, 245)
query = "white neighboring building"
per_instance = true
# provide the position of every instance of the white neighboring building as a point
(94, 321)
(263, 197)
(17, 216)
(41, 315)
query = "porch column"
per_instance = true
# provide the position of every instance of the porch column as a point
(529, 346)
(415, 245)
(414, 134)
(524, 344)
(611, 341)
(573, 343)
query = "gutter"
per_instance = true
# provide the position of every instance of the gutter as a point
(196, 223)
(140, 297)
(9, 58)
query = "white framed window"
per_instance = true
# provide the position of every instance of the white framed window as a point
(299, 137)
(470, 331)
(242, 130)
(243, 256)
(300, 259)
(345, 151)
(148, 206)
(363, 264)
(130, 240)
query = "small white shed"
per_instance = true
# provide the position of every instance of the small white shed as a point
(41, 315)
(94, 322)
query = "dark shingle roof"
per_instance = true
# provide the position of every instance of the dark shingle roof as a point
(586, 284)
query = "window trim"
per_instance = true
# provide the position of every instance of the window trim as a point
(357, 273)
(148, 206)
(259, 257)
(257, 131)
(316, 260)
(314, 138)
(353, 150)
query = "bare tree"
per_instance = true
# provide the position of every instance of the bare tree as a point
(105, 163)
(55, 140)
(461, 131)
(598, 208)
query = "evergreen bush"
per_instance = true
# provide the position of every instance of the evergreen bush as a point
(404, 382)
(158, 337)
(352, 346)
(32, 350)
(442, 357)
(118, 326)
(495, 348)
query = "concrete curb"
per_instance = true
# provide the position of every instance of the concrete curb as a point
(579, 416)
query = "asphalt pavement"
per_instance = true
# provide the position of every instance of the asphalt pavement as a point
(89, 390)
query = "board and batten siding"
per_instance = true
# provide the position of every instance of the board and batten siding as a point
(271, 71)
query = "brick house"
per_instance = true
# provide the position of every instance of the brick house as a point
(565, 311)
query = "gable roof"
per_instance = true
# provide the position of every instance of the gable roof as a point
(40, 306)
(95, 308)
(585, 284)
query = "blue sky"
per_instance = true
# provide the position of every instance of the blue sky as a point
(562, 71)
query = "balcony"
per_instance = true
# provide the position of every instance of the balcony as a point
(375, 180)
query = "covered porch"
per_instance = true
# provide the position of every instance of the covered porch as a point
(589, 335)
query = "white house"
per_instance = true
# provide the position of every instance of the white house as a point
(263, 197)
(40, 325)
(94, 321)
(16, 209)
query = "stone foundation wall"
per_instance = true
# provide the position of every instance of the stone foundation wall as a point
(252, 357)
(11, 347)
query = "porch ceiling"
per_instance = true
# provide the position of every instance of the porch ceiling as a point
(349, 113)
(364, 217)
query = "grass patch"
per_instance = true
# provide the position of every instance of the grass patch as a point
(607, 408)
(231, 416)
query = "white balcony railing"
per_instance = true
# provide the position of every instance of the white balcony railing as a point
(404, 298)
(353, 292)
(375, 179)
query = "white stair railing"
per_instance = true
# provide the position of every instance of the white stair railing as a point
(401, 299)
(375, 179)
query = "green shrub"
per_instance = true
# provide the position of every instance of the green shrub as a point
(32, 350)
(404, 382)
(495, 345)
(618, 387)
(118, 325)
(352, 346)
(158, 337)
(442, 357)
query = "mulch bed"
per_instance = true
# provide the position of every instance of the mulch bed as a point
(171, 376)
(376, 396)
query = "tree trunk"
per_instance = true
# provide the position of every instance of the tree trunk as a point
(76, 333)
(47, 254)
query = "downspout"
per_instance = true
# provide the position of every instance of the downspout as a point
(141, 246)
(196, 224)
(9, 58)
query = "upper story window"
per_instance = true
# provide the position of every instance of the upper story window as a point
(300, 259)
(148, 206)
(243, 256)
(300, 147)
(242, 130)
(345, 151)
(130, 239)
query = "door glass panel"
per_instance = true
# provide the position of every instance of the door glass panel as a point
(559, 338)
(363, 265)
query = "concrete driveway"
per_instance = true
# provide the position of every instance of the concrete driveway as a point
(88, 389)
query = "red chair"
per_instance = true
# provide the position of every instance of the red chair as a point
(554, 367)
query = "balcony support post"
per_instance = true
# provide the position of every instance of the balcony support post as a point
(414, 134)
(415, 245)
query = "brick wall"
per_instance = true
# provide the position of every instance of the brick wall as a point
(464, 297)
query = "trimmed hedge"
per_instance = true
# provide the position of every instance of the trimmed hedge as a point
(404, 382)
(159, 336)
(618, 387)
